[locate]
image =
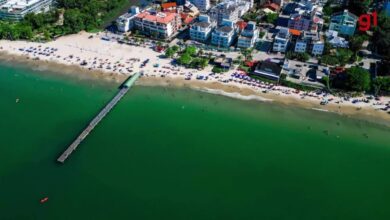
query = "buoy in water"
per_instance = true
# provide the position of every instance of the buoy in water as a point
(44, 200)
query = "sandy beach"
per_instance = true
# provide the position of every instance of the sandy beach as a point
(89, 56)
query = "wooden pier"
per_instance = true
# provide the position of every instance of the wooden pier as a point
(124, 89)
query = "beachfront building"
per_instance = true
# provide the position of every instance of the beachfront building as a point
(201, 30)
(315, 42)
(281, 40)
(335, 41)
(300, 46)
(158, 24)
(310, 42)
(248, 36)
(230, 10)
(125, 22)
(15, 10)
(225, 34)
(268, 69)
(202, 5)
(343, 22)
(317, 48)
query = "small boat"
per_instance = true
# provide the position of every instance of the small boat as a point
(43, 200)
(17, 100)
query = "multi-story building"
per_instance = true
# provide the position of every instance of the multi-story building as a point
(248, 36)
(268, 69)
(317, 47)
(300, 22)
(300, 46)
(125, 22)
(281, 40)
(336, 41)
(158, 24)
(202, 5)
(305, 21)
(225, 34)
(311, 42)
(201, 30)
(343, 22)
(15, 10)
(230, 10)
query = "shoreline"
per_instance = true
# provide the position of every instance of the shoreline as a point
(231, 89)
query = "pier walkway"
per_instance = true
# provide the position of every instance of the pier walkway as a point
(124, 89)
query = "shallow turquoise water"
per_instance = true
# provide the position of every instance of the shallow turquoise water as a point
(180, 154)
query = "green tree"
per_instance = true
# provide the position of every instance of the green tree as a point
(184, 59)
(356, 42)
(73, 21)
(381, 83)
(246, 53)
(326, 80)
(26, 32)
(200, 52)
(381, 37)
(170, 52)
(344, 56)
(358, 79)
(329, 60)
(271, 18)
(359, 7)
(175, 48)
(190, 50)
(46, 35)
(328, 10)
(239, 58)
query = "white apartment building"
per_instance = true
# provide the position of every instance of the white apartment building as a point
(125, 22)
(202, 5)
(15, 10)
(230, 10)
(281, 40)
(158, 24)
(248, 36)
(201, 30)
(224, 35)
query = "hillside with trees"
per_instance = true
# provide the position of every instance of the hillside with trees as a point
(71, 16)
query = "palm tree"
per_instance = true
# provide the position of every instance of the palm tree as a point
(327, 82)
(246, 53)
(200, 52)
(210, 55)
(239, 58)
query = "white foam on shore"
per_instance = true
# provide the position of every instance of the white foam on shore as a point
(235, 95)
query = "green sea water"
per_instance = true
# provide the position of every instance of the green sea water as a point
(181, 154)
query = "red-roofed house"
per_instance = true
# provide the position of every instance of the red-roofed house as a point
(158, 25)
(168, 6)
(274, 7)
(186, 18)
(294, 32)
